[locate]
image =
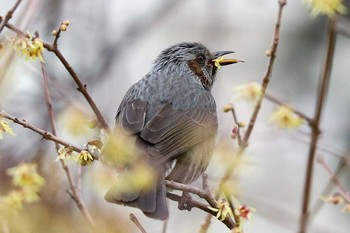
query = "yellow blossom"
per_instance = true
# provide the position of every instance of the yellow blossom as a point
(223, 210)
(228, 107)
(118, 151)
(85, 158)
(65, 153)
(2, 48)
(327, 7)
(94, 145)
(13, 201)
(250, 92)
(217, 61)
(31, 48)
(76, 121)
(25, 174)
(284, 117)
(5, 128)
(335, 199)
(346, 208)
(139, 177)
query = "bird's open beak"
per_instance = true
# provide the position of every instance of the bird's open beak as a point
(220, 61)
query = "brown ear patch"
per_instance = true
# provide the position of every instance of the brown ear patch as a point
(196, 68)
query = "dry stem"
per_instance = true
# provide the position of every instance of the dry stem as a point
(322, 94)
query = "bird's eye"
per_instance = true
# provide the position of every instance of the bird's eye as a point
(200, 59)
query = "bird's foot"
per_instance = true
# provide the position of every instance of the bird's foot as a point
(183, 204)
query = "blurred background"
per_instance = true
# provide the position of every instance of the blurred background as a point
(112, 44)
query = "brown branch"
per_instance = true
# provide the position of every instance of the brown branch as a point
(322, 94)
(9, 15)
(334, 178)
(79, 202)
(327, 190)
(267, 76)
(46, 135)
(137, 223)
(265, 81)
(191, 189)
(204, 194)
(82, 88)
(228, 221)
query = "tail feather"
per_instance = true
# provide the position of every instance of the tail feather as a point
(151, 201)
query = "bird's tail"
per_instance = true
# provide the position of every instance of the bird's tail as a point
(150, 199)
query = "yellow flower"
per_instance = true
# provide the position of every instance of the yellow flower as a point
(31, 48)
(85, 158)
(5, 128)
(65, 153)
(346, 208)
(13, 201)
(2, 48)
(284, 117)
(335, 199)
(118, 151)
(76, 121)
(223, 210)
(217, 61)
(250, 92)
(25, 174)
(94, 145)
(327, 7)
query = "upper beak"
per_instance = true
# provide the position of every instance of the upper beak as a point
(224, 62)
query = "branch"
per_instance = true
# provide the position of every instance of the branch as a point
(327, 190)
(137, 223)
(204, 194)
(268, 73)
(9, 15)
(334, 178)
(322, 94)
(46, 135)
(228, 221)
(82, 88)
(78, 201)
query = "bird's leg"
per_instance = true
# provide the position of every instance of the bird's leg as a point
(183, 205)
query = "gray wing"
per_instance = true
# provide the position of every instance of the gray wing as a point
(170, 131)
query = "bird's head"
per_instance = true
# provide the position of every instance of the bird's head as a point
(195, 58)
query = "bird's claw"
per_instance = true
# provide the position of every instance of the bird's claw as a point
(183, 204)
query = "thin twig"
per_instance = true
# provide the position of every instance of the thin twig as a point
(327, 190)
(191, 189)
(9, 15)
(79, 202)
(46, 135)
(265, 81)
(82, 88)
(235, 119)
(205, 226)
(321, 96)
(137, 223)
(165, 226)
(267, 75)
(193, 203)
(334, 178)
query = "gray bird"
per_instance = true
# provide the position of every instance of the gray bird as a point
(171, 114)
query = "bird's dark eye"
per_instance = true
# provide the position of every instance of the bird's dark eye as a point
(200, 59)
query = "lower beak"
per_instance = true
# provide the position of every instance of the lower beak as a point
(220, 61)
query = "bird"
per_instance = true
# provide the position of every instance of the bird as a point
(171, 115)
